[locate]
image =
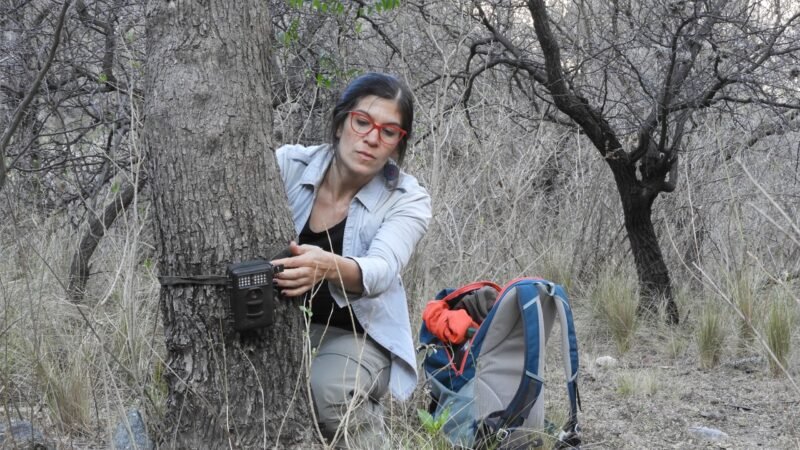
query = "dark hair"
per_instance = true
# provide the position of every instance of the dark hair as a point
(380, 85)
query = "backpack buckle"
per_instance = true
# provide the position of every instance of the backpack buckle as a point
(501, 434)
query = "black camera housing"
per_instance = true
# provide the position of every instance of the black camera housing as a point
(252, 299)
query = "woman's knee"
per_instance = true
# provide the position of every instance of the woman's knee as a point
(348, 377)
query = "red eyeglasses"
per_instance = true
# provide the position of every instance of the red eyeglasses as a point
(363, 124)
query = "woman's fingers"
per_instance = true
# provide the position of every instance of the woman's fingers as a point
(294, 282)
(295, 292)
(302, 271)
(299, 274)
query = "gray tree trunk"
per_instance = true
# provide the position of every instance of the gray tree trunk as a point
(218, 198)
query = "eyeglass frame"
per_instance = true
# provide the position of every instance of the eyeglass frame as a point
(403, 133)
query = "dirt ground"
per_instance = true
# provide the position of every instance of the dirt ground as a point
(649, 400)
(754, 409)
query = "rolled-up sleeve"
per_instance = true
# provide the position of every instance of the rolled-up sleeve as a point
(390, 250)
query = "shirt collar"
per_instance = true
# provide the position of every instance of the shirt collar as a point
(316, 168)
(370, 194)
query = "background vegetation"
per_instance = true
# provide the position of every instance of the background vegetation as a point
(518, 189)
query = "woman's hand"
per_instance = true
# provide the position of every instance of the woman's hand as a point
(307, 266)
(310, 265)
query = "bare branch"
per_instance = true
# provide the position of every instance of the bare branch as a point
(98, 225)
(679, 70)
(386, 39)
(577, 108)
(787, 124)
(31, 93)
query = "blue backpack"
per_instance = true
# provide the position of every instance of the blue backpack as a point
(489, 390)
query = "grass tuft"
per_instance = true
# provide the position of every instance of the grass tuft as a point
(637, 383)
(778, 331)
(616, 301)
(710, 337)
(68, 391)
(676, 345)
(743, 286)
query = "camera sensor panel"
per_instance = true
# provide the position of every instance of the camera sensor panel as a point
(251, 298)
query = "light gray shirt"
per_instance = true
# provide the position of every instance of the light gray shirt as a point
(383, 227)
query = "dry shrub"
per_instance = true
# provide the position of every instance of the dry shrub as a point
(87, 364)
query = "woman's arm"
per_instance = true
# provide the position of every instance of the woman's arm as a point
(392, 246)
(369, 274)
(310, 264)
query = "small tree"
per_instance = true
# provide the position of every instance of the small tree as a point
(631, 75)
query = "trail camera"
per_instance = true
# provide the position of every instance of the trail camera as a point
(252, 294)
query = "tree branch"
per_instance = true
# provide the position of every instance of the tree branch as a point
(386, 39)
(679, 70)
(79, 268)
(596, 128)
(31, 93)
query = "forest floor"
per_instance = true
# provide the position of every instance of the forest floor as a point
(654, 395)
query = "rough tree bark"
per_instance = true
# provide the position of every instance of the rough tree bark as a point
(652, 271)
(218, 198)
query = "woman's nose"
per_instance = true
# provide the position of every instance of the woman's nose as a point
(373, 137)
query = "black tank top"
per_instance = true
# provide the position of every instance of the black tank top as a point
(324, 309)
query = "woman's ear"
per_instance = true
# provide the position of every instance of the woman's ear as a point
(339, 131)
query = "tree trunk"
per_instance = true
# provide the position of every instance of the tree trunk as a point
(218, 198)
(654, 280)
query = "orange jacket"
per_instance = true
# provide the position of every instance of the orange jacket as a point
(448, 325)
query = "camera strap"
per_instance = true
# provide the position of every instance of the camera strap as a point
(218, 280)
(194, 279)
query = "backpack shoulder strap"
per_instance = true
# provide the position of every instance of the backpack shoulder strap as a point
(570, 434)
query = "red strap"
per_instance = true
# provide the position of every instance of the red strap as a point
(474, 286)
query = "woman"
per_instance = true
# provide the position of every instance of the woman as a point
(359, 218)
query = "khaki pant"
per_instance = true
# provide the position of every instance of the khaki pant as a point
(349, 375)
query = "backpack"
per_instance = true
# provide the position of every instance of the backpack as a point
(488, 389)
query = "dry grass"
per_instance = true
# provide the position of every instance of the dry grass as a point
(85, 365)
(711, 332)
(743, 288)
(616, 298)
(634, 383)
(778, 329)
(86, 372)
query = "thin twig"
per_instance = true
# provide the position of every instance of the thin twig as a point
(31, 93)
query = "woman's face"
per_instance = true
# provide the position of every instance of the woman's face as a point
(362, 153)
